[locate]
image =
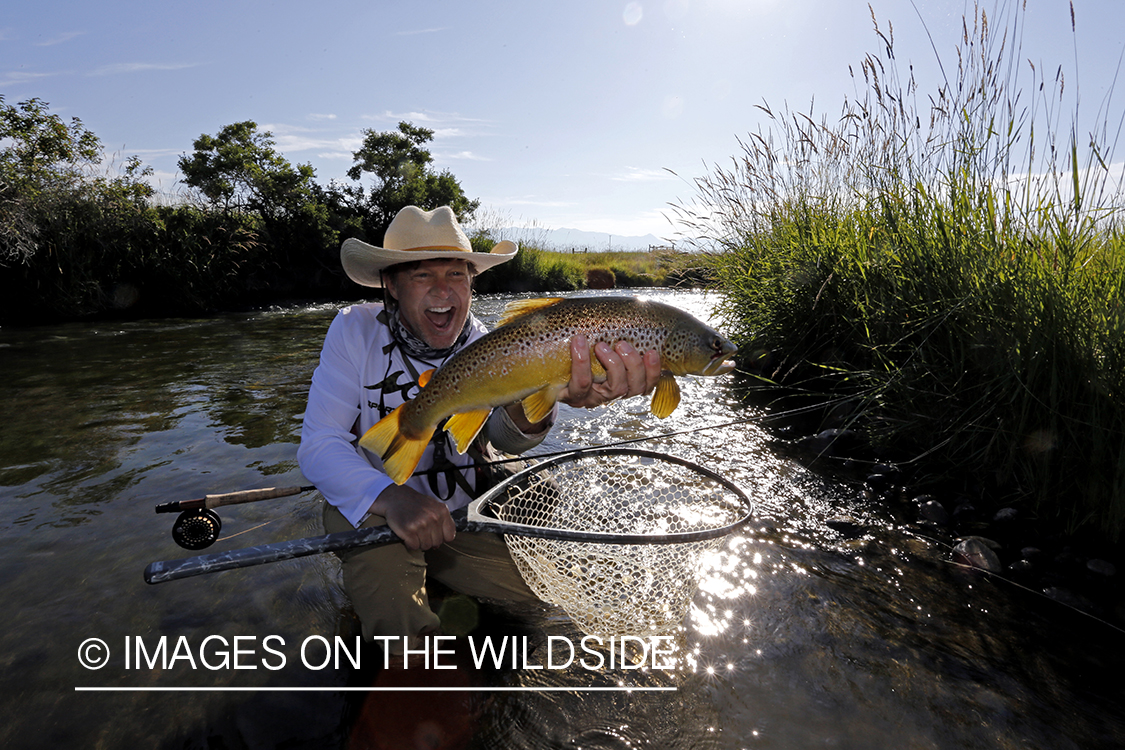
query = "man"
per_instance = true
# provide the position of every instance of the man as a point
(370, 363)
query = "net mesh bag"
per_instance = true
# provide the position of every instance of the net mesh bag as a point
(618, 589)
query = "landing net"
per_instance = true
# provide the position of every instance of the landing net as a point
(668, 512)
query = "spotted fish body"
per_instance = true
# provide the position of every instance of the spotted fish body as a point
(528, 359)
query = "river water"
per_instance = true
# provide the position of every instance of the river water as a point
(798, 637)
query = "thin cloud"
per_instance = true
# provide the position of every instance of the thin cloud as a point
(276, 128)
(16, 78)
(118, 68)
(465, 156)
(532, 201)
(416, 32)
(393, 117)
(636, 174)
(319, 117)
(60, 39)
(288, 140)
(153, 153)
(446, 126)
(435, 119)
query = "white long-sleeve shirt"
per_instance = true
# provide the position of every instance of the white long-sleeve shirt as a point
(363, 374)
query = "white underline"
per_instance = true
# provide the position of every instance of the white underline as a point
(371, 689)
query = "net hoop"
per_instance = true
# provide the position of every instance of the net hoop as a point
(484, 510)
(614, 536)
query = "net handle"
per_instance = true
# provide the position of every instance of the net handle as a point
(475, 520)
(482, 511)
(378, 536)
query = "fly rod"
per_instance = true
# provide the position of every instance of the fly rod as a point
(207, 502)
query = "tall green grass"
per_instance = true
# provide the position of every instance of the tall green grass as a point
(954, 261)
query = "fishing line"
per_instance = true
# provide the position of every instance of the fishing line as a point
(1040, 594)
(1015, 584)
(254, 528)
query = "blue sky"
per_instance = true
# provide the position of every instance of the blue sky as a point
(565, 113)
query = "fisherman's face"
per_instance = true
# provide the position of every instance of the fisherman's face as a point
(433, 299)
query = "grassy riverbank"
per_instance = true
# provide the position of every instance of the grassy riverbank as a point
(108, 252)
(956, 273)
(538, 270)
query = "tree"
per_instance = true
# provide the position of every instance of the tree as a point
(402, 177)
(244, 177)
(48, 183)
(39, 153)
(238, 170)
(39, 147)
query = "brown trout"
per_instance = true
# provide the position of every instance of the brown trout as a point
(528, 359)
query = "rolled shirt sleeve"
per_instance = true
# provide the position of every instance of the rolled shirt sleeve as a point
(502, 432)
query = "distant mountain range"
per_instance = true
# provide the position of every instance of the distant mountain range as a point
(577, 239)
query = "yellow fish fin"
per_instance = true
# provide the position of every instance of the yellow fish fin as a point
(525, 306)
(538, 405)
(465, 426)
(424, 378)
(400, 454)
(666, 397)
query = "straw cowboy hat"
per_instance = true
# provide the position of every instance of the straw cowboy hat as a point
(418, 235)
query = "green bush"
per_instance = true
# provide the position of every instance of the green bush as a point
(976, 309)
(532, 270)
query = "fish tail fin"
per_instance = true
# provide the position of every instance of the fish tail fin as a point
(465, 426)
(400, 454)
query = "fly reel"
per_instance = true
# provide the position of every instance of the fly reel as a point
(198, 526)
(197, 529)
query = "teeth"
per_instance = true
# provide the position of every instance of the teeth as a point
(440, 309)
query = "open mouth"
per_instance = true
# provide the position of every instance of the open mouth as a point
(720, 365)
(440, 318)
(722, 360)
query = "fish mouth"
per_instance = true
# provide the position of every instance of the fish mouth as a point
(719, 365)
(721, 362)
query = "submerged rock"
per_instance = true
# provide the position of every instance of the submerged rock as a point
(977, 552)
(1101, 567)
(932, 510)
(1005, 516)
(1021, 568)
(964, 513)
(1070, 599)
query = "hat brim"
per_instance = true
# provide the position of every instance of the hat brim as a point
(364, 263)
